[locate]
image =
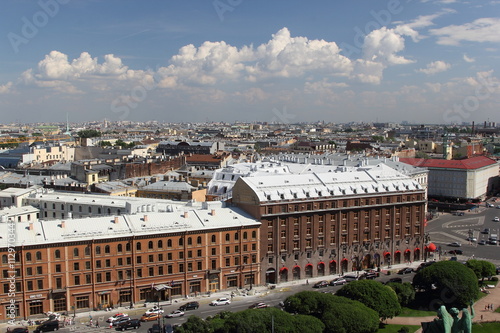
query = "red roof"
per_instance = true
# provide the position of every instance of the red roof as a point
(472, 163)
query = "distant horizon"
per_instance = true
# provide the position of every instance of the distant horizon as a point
(421, 61)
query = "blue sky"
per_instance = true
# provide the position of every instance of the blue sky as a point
(422, 61)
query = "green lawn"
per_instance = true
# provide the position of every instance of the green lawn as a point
(395, 328)
(485, 328)
(407, 312)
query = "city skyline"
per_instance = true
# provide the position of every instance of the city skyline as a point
(419, 61)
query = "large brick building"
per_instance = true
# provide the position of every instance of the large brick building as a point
(349, 219)
(82, 264)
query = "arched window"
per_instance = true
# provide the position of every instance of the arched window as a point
(227, 237)
(62, 206)
(118, 212)
(169, 243)
(109, 211)
(107, 249)
(38, 255)
(4, 259)
(90, 209)
(198, 240)
(190, 241)
(75, 252)
(138, 246)
(245, 235)
(71, 207)
(119, 248)
(99, 210)
(160, 244)
(87, 251)
(80, 209)
(150, 245)
(57, 254)
(97, 250)
(236, 236)
(53, 206)
(214, 239)
(44, 205)
(181, 241)
(254, 234)
(28, 256)
(128, 247)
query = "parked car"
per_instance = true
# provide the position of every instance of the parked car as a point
(150, 317)
(189, 306)
(176, 313)
(481, 242)
(321, 284)
(406, 270)
(369, 275)
(455, 252)
(120, 321)
(496, 219)
(221, 301)
(350, 278)
(472, 239)
(493, 242)
(260, 305)
(395, 280)
(47, 326)
(19, 330)
(498, 206)
(155, 329)
(338, 281)
(132, 323)
(455, 244)
(168, 328)
(486, 231)
(155, 309)
(116, 316)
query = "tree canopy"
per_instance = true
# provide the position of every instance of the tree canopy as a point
(447, 283)
(338, 314)
(404, 291)
(89, 133)
(481, 268)
(374, 295)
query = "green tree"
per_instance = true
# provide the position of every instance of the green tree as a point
(404, 291)
(374, 295)
(339, 314)
(105, 144)
(89, 133)
(481, 268)
(194, 324)
(447, 282)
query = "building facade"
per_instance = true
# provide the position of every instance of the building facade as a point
(329, 223)
(85, 264)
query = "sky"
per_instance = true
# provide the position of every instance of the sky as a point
(421, 61)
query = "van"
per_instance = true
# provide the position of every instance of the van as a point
(493, 237)
(47, 326)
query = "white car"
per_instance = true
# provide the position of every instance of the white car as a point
(221, 301)
(155, 309)
(496, 219)
(116, 317)
(176, 313)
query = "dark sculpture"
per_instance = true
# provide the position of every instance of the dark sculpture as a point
(449, 322)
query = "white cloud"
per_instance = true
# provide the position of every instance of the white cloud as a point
(6, 88)
(468, 59)
(435, 67)
(480, 30)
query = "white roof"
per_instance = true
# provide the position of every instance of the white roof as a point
(187, 219)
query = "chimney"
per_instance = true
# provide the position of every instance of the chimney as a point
(63, 224)
(186, 215)
(116, 220)
(212, 212)
(145, 219)
(31, 226)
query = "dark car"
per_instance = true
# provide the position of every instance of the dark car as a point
(321, 284)
(369, 275)
(498, 270)
(19, 330)
(155, 329)
(338, 281)
(132, 323)
(455, 252)
(189, 306)
(120, 321)
(424, 265)
(47, 326)
(395, 280)
(486, 231)
(406, 270)
(168, 328)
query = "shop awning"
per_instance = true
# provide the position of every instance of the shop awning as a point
(159, 287)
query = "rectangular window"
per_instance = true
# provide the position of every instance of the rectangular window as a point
(108, 276)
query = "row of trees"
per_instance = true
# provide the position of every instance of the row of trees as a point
(357, 307)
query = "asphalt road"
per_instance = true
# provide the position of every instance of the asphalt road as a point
(448, 228)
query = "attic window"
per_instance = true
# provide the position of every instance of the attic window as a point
(268, 197)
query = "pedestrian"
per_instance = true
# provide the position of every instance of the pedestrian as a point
(307, 282)
(8, 329)
(97, 323)
(486, 307)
